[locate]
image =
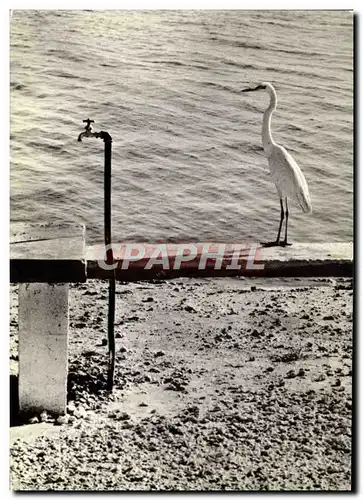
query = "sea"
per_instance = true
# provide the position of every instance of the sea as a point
(187, 157)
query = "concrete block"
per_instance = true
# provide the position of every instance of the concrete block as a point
(43, 354)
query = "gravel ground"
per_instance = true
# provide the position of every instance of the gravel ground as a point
(220, 384)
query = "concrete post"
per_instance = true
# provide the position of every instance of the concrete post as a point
(43, 337)
(44, 258)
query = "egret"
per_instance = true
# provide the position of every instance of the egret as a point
(285, 172)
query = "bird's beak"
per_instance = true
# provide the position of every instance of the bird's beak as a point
(251, 90)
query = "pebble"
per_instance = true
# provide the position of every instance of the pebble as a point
(34, 420)
(256, 333)
(43, 416)
(154, 370)
(127, 425)
(307, 449)
(189, 309)
(123, 416)
(331, 470)
(71, 407)
(62, 420)
(80, 412)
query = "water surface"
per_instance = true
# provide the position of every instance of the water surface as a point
(187, 157)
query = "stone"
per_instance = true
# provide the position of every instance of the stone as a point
(62, 420)
(43, 416)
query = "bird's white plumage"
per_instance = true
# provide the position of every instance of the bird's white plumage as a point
(285, 172)
(288, 178)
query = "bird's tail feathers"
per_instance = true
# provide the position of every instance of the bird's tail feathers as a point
(305, 202)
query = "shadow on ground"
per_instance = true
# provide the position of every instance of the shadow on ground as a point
(14, 401)
(79, 384)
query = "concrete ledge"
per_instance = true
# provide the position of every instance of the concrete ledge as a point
(300, 259)
(47, 253)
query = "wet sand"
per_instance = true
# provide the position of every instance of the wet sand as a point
(220, 384)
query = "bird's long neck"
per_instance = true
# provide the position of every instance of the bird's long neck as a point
(267, 140)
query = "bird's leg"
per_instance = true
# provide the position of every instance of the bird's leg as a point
(277, 242)
(285, 243)
(282, 215)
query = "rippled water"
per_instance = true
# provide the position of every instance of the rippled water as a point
(187, 157)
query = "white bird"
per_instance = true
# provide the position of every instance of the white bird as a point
(285, 172)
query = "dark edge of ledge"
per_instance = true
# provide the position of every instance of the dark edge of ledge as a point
(273, 269)
(47, 271)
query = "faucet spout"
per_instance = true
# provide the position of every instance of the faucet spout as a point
(88, 130)
(88, 133)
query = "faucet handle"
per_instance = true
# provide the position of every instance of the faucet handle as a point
(88, 126)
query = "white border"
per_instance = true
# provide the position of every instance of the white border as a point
(4, 173)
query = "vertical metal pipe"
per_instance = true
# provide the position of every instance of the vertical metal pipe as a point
(110, 260)
(107, 200)
(107, 139)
